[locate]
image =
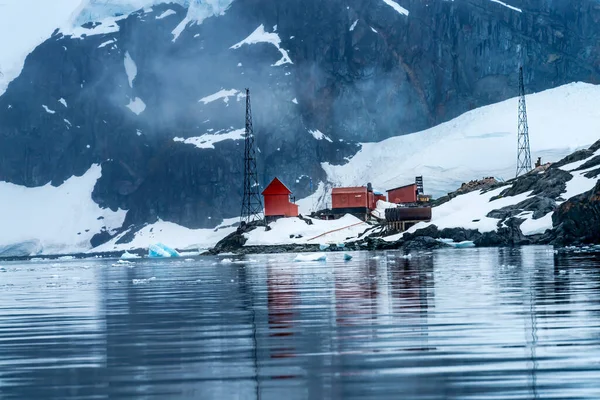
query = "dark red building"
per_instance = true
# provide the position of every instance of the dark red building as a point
(403, 194)
(277, 201)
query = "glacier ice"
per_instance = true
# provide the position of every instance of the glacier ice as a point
(160, 250)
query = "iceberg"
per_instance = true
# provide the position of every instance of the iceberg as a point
(128, 256)
(160, 250)
(347, 257)
(310, 257)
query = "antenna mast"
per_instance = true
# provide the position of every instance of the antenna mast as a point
(524, 152)
(252, 209)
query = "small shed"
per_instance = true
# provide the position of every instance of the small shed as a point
(277, 201)
(403, 194)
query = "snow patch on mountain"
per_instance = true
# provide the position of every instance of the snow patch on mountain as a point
(353, 25)
(261, 36)
(505, 5)
(479, 143)
(130, 69)
(137, 106)
(221, 94)
(63, 102)
(208, 140)
(166, 14)
(63, 219)
(396, 6)
(317, 134)
(48, 110)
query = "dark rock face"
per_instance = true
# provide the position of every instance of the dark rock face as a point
(390, 75)
(577, 221)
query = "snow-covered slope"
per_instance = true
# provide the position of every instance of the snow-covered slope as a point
(63, 219)
(479, 143)
(172, 235)
(24, 24)
(297, 231)
(470, 211)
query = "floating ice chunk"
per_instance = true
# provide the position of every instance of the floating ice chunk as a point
(142, 281)
(128, 256)
(159, 250)
(189, 260)
(347, 257)
(66, 258)
(323, 247)
(463, 245)
(310, 257)
(227, 261)
(407, 256)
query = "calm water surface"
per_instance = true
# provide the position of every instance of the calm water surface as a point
(453, 324)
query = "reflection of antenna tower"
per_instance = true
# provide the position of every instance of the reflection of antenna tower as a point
(524, 153)
(251, 204)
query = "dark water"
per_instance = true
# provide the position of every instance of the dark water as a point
(458, 324)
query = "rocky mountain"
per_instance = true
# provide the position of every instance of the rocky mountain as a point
(155, 96)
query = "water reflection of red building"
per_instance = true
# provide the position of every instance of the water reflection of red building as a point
(282, 299)
(356, 294)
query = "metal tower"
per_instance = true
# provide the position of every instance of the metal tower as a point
(252, 209)
(524, 152)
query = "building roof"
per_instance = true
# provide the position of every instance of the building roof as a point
(349, 190)
(401, 187)
(276, 187)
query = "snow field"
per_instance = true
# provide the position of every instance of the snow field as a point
(63, 219)
(320, 232)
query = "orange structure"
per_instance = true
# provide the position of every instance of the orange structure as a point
(403, 194)
(277, 201)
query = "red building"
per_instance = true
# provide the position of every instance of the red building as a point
(403, 194)
(277, 201)
(350, 197)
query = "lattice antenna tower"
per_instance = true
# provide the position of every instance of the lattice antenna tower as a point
(524, 151)
(252, 209)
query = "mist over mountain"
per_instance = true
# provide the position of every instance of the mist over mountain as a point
(130, 87)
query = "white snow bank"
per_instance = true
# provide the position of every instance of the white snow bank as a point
(63, 218)
(221, 94)
(479, 143)
(208, 140)
(173, 234)
(317, 134)
(333, 231)
(137, 106)
(505, 5)
(353, 25)
(261, 36)
(63, 102)
(536, 226)
(396, 7)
